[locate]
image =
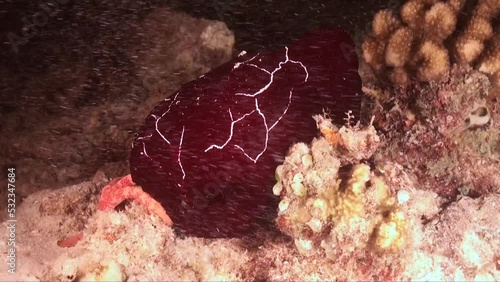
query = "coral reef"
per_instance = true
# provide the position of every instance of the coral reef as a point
(353, 203)
(135, 246)
(444, 123)
(334, 204)
(461, 244)
(427, 37)
(382, 228)
(373, 221)
(479, 42)
(446, 133)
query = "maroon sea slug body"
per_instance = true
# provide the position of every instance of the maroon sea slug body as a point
(208, 153)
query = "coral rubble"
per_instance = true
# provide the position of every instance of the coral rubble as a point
(446, 133)
(459, 242)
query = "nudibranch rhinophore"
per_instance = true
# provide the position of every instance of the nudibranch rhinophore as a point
(209, 152)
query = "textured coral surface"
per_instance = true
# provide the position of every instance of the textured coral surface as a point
(440, 116)
(384, 228)
(412, 197)
(446, 133)
(333, 204)
(426, 37)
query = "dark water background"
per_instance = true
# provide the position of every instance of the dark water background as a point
(80, 26)
(258, 24)
(264, 23)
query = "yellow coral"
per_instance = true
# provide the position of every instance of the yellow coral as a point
(108, 270)
(457, 4)
(391, 233)
(351, 200)
(381, 192)
(468, 48)
(341, 210)
(480, 41)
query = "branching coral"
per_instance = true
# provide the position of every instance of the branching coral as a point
(445, 129)
(416, 42)
(325, 211)
(470, 44)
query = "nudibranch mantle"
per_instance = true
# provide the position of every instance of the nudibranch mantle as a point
(208, 153)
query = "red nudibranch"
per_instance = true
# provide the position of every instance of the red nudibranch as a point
(208, 153)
